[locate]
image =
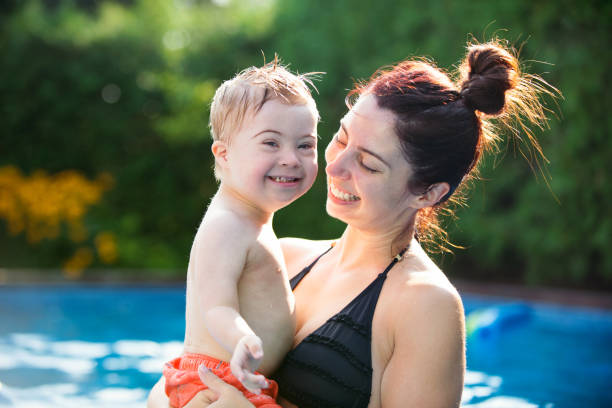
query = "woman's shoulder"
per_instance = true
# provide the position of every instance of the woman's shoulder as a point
(421, 335)
(422, 289)
(299, 252)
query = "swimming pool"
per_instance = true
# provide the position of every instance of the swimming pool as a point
(104, 346)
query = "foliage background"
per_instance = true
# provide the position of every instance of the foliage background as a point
(111, 98)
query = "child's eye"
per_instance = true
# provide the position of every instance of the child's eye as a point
(306, 146)
(270, 143)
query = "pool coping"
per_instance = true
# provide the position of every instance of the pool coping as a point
(560, 296)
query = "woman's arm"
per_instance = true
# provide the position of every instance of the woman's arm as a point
(427, 366)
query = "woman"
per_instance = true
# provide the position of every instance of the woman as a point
(378, 324)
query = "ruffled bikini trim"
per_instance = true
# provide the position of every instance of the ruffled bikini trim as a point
(348, 321)
(326, 375)
(305, 398)
(341, 349)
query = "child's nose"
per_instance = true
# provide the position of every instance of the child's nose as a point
(289, 158)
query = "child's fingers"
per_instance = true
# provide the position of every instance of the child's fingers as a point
(245, 360)
(254, 346)
(255, 381)
(240, 360)
(238, 365)
(218, 386)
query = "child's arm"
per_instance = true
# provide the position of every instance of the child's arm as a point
(220, 254)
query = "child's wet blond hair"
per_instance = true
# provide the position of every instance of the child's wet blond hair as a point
(247, 92)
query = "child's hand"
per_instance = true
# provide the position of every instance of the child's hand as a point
(246, 358)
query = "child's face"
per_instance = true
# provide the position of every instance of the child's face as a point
(272, 159)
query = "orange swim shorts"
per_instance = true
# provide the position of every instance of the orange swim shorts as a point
(183, 381)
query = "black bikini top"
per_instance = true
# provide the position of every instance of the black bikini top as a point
(332, 366)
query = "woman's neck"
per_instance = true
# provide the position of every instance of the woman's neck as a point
(364, 249)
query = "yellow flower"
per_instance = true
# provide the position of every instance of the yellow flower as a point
(38, 205)
(73, 268)
(106, 246)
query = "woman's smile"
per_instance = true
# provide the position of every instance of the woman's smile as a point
(341, 195)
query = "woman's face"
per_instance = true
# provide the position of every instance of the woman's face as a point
(367, 174)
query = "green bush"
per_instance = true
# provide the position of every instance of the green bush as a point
(124, 87)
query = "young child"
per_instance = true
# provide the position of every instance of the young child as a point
(239, 306)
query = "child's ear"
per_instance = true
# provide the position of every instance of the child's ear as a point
(219, 150)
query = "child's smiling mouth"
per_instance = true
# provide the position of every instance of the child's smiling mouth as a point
(284, 180)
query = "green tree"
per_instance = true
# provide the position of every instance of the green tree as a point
(123, 88)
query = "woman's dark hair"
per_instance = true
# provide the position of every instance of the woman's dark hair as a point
(445, 126)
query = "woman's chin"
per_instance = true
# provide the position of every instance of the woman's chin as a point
(336, 211)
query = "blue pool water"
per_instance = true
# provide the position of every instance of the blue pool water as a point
(104, 346)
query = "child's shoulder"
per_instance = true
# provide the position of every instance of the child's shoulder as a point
(226, 225)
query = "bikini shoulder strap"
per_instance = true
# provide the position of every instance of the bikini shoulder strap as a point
(298, 278)
(395, 260)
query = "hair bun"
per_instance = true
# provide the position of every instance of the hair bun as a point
(488, 72)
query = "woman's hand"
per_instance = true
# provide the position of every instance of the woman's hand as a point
(227, 395)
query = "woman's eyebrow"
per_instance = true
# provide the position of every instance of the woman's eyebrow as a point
(363, 149)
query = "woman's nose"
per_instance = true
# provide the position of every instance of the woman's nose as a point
(336, 163)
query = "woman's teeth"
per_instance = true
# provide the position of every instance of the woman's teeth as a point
(284, 179)
(342, 195)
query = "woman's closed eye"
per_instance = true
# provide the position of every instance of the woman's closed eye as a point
(338, 141)
(368, 168)
(362, 163)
